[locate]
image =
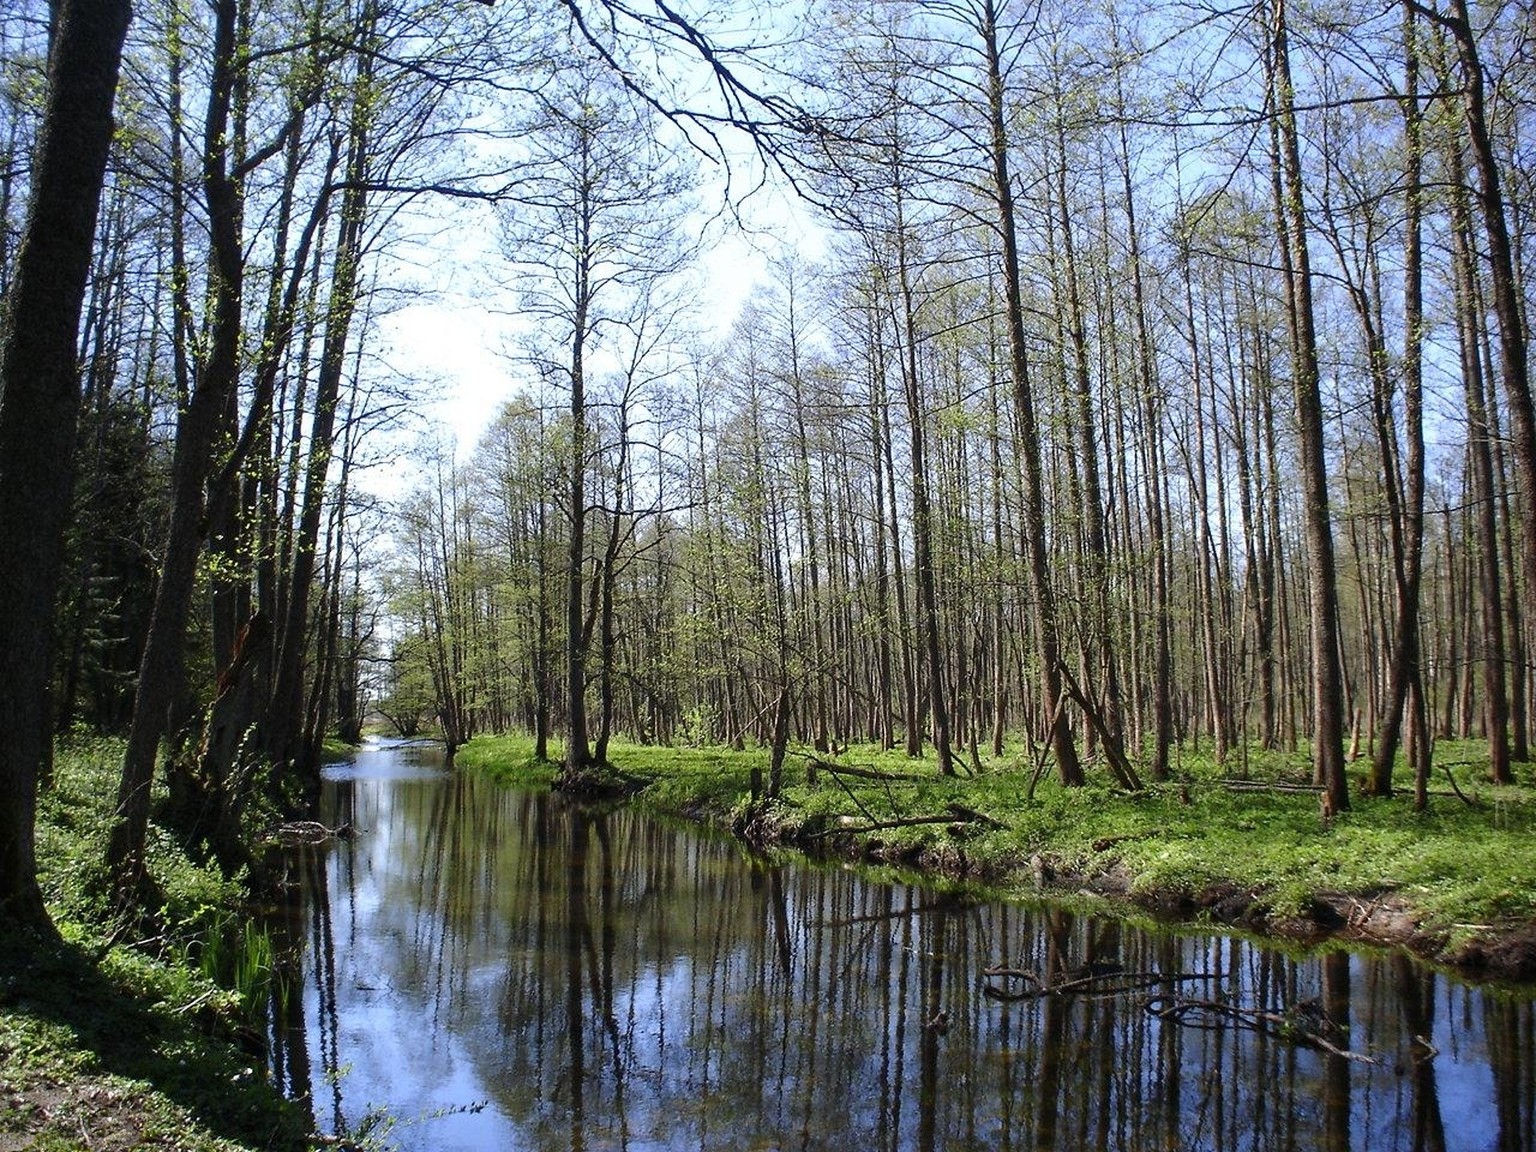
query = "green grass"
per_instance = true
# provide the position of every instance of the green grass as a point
(334, 750)
(132, 1044)
(1462, 869)
(509, 759)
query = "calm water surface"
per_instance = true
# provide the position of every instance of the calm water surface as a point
(494, 969)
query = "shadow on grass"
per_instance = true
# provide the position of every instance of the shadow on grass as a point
(184, 1052)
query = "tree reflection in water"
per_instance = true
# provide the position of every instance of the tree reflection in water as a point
(602, 980)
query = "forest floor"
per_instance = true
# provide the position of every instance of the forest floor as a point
(1245, 846)
(110, 1041)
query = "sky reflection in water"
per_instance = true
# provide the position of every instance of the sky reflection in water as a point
(608, 981)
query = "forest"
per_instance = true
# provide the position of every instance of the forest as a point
(1111, 382)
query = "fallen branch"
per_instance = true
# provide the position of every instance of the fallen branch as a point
(866, 773)
(971, 816)
(957, 814)
(1109, 739)
(883, 825)
(1454, 788)
(857, 803)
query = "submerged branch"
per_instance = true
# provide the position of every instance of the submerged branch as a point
(1096, 982)
(1306, 1024)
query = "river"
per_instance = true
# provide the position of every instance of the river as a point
(483, 968)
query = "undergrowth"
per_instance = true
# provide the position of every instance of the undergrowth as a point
(110, 1039)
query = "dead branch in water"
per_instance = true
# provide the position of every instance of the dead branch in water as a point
(1094, 983)
(1305, 1024)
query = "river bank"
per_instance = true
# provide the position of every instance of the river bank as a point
(1456, 884)
(110, 1041)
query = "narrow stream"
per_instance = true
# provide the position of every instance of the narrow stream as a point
(489, 969)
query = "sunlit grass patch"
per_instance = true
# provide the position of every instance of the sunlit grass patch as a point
(510, 759)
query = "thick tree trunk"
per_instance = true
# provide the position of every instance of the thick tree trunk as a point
(284, 720)
(39, 408)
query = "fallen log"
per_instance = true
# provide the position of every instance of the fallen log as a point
(956, 814)
(311, 832)
(882, 825)
(866, 773)
(1269, 786)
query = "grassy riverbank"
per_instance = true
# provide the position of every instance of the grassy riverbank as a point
(110, 1044)
(1456, 883)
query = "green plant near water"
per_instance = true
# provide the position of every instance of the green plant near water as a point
(236, 952)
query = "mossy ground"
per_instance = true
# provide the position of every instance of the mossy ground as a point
(110, 1041)
(1460, 878)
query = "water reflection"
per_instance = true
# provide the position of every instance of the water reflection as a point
(605, 981)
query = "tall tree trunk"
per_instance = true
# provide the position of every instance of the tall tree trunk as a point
(1197, 463)
(1484, 495)
(1162, 656)
(806, 511)
(1102, 684)
(1405, 694)
(160, 668)
(283, 723)
(1322, 584)
(903, 631)
(883, 663)
(922, 514)
(39, 409)
(1514, 362)
(543, 659)
(201, 783)
(1059, 727)
(995, 602)
(578, 754)
(620, 526)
